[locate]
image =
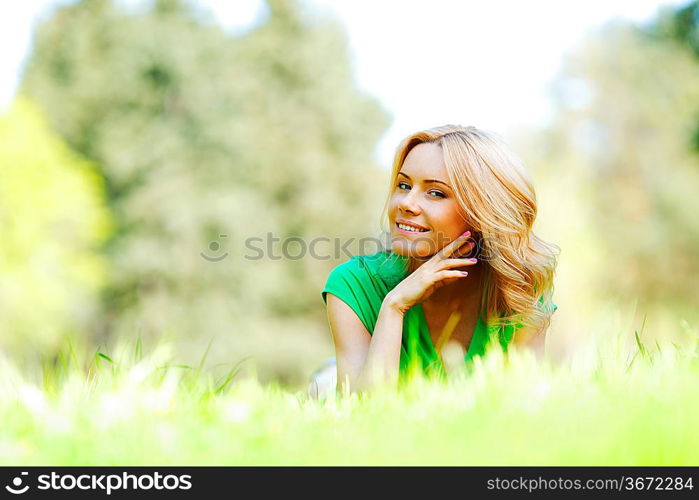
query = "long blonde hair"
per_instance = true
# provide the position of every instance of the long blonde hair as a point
(497, 200)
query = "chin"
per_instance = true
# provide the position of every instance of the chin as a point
(406, 248)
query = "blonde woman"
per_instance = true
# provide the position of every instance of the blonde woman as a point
(463, 265)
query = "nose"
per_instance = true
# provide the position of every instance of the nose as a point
(409, 203)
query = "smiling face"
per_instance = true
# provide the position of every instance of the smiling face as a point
(422, 197)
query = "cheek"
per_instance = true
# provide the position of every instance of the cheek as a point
(442, 221)
(450, 221)
(392, 206)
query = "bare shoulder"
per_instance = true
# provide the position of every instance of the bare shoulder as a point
(349, 333)
(530, 338)
(340, 314)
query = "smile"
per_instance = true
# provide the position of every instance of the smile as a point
(409, 229)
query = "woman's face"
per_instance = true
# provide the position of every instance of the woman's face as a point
(423, 197)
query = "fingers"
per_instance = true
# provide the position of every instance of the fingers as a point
(464, 250)
(454, 245)
(451, 263)
(450, 275)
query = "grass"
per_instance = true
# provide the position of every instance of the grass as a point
(624, 406)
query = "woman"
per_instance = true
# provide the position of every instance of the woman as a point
(463, 265)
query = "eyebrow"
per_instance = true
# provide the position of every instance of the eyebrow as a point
(427, 181)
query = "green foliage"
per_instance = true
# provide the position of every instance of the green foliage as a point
(682, 25)
(53, 220)
(198, 134)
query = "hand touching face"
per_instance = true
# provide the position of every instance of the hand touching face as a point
(441, 269)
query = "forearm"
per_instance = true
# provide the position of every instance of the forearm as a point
(382, 361)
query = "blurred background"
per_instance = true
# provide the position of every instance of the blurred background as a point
(165, 165)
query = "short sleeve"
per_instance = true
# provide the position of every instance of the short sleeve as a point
(353, 283)
(344, 283)
(339, 283)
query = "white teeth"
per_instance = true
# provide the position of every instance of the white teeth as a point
(410, 228)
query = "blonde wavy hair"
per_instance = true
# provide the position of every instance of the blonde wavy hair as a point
(496, 197)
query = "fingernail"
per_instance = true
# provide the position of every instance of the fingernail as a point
(466, 233)
(464, 273)
(473, 260)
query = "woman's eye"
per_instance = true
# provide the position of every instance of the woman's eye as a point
(433, 192)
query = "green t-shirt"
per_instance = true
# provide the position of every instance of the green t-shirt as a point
(363, 281)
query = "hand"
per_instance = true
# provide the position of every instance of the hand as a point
(433, 274)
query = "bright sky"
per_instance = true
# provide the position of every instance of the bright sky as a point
(469, 62)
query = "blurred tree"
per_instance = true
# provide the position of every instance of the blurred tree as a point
(682, 25)
(627, 102)
(200, 134)
(53, 217)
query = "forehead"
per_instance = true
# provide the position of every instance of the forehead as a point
(425, 161)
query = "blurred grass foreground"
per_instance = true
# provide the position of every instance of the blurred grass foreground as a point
(609, 405)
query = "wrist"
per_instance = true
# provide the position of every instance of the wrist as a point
(394, 303)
